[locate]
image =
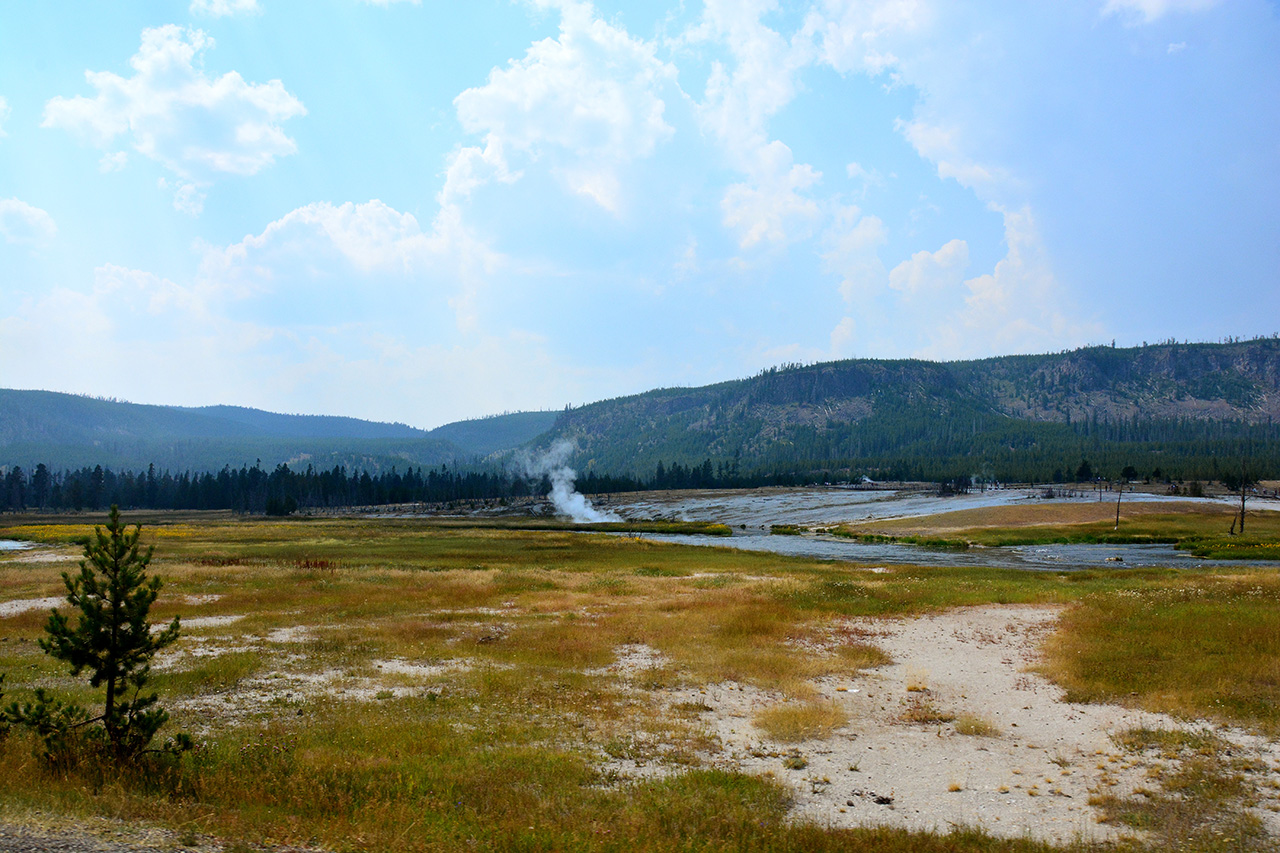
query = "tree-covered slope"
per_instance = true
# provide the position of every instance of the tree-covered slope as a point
(71, 431)
(306, 426)
(1187, 400)
(483, 436)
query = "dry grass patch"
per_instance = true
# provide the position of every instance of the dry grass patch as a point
(859, 656)
(801, 721)
(975, 726)
(1039, 514)
(920, 710)
(533, 746)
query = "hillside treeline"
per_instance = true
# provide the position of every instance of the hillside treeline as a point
(930, 446)
(252, 490)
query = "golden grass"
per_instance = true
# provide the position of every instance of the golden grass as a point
(920, 710)
(1037, 514)
(796, 722)
(975, 726)
(1204, 528)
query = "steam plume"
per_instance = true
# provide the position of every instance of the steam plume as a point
(564, 497)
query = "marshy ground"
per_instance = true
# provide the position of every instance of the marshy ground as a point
(386, 684)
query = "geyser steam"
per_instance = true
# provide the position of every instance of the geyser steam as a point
(564, 497)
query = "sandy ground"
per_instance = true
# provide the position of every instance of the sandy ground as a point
(1033, 778)
(13, 608)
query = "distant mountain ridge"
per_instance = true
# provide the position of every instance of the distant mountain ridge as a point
(873, 411)
(70, 431)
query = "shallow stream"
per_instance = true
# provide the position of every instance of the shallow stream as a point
(1048, 558)
(750, 514)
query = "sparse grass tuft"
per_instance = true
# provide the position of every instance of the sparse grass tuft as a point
(1203, 798)
(971, 724)
(858, 656)
(921, 711)
(795, 761)
(796, 722)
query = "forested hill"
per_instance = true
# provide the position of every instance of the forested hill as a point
(1175, 406)
(71, 431)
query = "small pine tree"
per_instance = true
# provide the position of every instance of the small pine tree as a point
(112, 638)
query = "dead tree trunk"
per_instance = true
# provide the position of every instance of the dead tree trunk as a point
(1243, 480)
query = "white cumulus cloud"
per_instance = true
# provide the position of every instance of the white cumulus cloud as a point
(198, 126)
(592, 97)
(113, 161)
(1017, 307)
(330, 245)
(946, 147)
(858, 35)
(927, 273)
(188, 199)
(768, 207)
(843, 337)
(853, 253)
(471, 167)
(21, 223)
(223, 8)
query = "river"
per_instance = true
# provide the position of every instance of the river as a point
(750, 513)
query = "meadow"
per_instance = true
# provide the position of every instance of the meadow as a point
(380, 684)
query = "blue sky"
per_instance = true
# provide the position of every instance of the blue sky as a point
(426, 211)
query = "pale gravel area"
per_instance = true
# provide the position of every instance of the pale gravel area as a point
(282, 687)
(200, 622)
(14, 608)
(40, 556)
(1033, 779)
